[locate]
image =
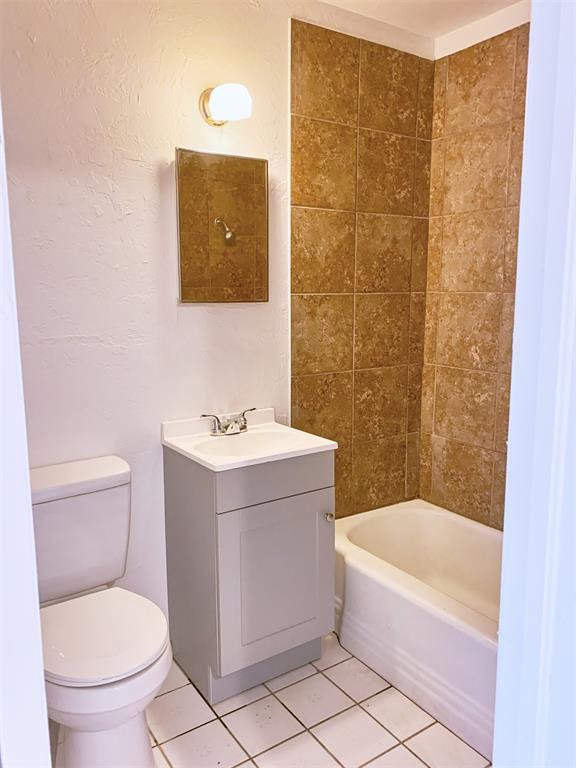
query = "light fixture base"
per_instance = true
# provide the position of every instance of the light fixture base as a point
(204, 106)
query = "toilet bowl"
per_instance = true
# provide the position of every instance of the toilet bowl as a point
(106, 651)
(106, 655)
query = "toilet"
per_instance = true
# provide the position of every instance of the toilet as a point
(106, 649)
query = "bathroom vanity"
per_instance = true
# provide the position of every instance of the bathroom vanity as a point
(250, 550)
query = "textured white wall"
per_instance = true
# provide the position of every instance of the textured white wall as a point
(96, 97)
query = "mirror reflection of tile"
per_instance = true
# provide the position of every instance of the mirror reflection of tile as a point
(222, 227)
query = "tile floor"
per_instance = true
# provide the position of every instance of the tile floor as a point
(334, 712)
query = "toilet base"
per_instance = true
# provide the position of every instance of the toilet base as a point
(127, 745)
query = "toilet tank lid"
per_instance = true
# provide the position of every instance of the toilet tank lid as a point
(73, 478)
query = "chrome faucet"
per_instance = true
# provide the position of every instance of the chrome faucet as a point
(228, 425)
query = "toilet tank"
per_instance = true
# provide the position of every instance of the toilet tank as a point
(81, 524)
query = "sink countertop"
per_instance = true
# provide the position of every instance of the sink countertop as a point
(265, 440)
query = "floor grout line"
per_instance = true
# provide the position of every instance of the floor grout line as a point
(308, 729)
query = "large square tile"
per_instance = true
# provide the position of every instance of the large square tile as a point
(322, 405)
(206, 747)
(322, 333)
(439, 748)
(240, 700)
(302, 751)
(356, 679)
(385, 172)
(262, 725)
(379, 473)
(323, 164)
(333, 95)
(465, 406)
(175, 679)
(399, 757)
(332, 652)
(294, 676)
(381, 333)
(177, 712)
(314, 699)
(353, 737)
(397, 713)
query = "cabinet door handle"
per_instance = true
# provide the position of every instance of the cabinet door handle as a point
(329, 516)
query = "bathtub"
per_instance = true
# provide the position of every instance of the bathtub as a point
(417, 599)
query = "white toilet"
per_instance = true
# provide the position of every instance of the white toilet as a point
(106, 650)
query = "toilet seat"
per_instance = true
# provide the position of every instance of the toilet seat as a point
(101, 637)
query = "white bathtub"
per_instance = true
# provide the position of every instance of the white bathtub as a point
(417, 599)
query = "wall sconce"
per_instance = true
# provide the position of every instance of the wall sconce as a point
(230, 101)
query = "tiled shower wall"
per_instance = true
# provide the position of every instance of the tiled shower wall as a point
(405, 181)
(361, 130)
(477, 138)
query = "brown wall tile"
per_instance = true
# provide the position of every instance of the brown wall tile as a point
(425, 99)
(480, 84)
(521, 70)
(510, 249)
(515, 166)
(385, 173)
(324, 73)
(384, 253)
(435, 248)
(462, 478)
(468, 330)
(388, 89)
(323, 164)
(474, 247)
(476, 170)
(437, 170)
(431, 326)
(425, 474)
(322, 405)
(465, 406)
(419, 255)
(506, 333)
(498, 491)
(412, 465)
(382, 330)
(322, 333)
(380, 397)
(379, 473)
(414, 398)
(439, 98)
(322, 251)
(502, 411)
(428, 395)
(422, 178)
(417, 325)
(344, 486)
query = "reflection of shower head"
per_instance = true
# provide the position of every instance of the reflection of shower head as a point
(229, 235)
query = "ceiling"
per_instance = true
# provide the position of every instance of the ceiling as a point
(430, 18)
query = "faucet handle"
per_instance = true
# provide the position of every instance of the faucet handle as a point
(216, 423)
(243, 414)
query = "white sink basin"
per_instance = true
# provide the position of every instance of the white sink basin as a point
(262, 442)
(252, 443)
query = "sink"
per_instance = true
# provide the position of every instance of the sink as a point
(251, 443)
(265, 440)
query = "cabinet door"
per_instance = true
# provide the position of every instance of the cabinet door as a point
(275, 577)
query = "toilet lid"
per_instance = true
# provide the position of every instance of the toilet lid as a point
(101, 637)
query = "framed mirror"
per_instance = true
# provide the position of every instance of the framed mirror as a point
(222, 227)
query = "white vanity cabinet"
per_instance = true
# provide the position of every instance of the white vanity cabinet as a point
(250, 562)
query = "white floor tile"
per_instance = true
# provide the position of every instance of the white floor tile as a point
(332, 652)
(302, 751)
(206, 747)
(176, 712)
(159, 759)
(175, 679)
(440, 748)
(240, 700)
(397, 713)
(314, 699)
(262, 725)
(399, 757)
(356, 679)
(291, 677)
(353, 737)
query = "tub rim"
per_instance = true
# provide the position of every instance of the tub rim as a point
(402, 582)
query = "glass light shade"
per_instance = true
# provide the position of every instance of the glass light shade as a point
(230, 101)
